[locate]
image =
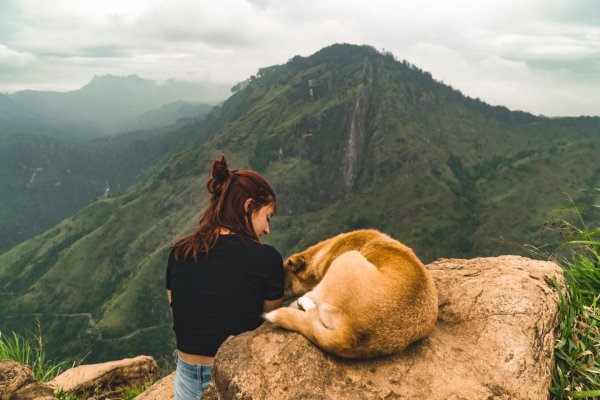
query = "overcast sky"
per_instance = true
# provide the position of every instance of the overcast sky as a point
(541, 56)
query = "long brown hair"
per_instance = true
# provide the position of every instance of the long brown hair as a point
(229, 191)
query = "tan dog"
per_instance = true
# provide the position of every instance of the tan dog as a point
(367, 295)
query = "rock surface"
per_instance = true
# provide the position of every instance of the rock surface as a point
(106, 380)
(494, 339)
(161, 390)
(17, 383)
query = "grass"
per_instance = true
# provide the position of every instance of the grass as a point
(30, 351)
(577, 348)
(60, 395)
(131, 392)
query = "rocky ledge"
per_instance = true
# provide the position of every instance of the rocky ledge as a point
(106, 380)
(494, 339)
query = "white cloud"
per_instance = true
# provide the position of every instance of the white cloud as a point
(497, 66)
(13, 63)
(505, 53)
(11, 58)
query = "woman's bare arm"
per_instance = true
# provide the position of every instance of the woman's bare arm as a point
(270, 305)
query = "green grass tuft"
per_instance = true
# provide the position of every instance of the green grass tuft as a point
(30, 351)
(577, 348)
(134, 391)
(61, 395)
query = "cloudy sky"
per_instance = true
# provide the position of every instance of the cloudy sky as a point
(541, 56)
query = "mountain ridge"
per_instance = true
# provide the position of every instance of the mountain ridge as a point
(104, 106)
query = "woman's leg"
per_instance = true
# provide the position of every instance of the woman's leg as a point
(205, 372)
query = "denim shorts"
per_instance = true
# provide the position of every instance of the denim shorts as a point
(190, 379)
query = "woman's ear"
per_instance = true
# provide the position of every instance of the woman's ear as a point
(247, 204)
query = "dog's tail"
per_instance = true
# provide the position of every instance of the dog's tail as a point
(308, 324)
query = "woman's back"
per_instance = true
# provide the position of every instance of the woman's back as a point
(222, 294)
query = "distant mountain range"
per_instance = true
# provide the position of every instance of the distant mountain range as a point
(350, 138)
(105, 106)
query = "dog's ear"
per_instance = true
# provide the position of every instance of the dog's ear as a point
(295, 263)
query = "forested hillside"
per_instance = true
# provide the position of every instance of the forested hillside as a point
(52, 161)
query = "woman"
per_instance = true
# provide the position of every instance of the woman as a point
(221, 278)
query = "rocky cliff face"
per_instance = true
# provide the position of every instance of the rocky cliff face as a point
(494, 339)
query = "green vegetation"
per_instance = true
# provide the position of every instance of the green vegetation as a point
(61, 395)
(44, 178)
(131, 392)
(577, 350)
(52, 161)
(30, 351)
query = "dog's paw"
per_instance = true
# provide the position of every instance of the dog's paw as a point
(305, 303)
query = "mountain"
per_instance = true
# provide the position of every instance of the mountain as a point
(349, 138)
(45, 178)
(167, 115)
(105, 106)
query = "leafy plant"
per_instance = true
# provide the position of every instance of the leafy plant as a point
(577, 348)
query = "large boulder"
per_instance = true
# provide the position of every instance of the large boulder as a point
(106, 380)
(18, 383)
(494, 339)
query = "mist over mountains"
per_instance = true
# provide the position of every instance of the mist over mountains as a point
(106, 105)
(350, 138)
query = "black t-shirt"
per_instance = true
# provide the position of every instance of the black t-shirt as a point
(223, 294)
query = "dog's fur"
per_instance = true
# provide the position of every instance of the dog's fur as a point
(365, 295)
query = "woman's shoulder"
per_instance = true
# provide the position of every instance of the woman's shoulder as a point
(271, 252)
(262, 249)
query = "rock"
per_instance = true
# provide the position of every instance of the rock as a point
(161, 390)
(494, 339)
(34, 391)
(17, 383)
(106, 380)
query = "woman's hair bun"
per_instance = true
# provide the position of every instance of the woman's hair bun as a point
(219, 173)
(219, 170)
